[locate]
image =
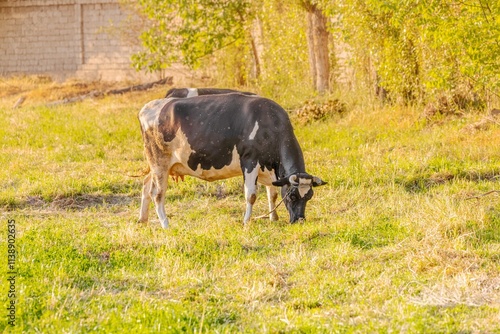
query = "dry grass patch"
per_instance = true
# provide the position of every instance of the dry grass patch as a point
(40, 90)
(462, 289)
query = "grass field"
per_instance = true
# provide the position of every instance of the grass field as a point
(394, 242)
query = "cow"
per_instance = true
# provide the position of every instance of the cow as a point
(214, 137)
(190, 92)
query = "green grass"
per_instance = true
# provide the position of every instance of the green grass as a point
(391, 244)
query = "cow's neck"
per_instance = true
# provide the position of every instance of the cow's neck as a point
(291, 158)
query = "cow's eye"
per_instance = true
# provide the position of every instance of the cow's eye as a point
(293, 198)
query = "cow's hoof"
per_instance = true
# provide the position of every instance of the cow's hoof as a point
(164, 223)
(273, 217)
(298, 221)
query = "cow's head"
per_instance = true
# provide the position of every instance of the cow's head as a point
(296, 190)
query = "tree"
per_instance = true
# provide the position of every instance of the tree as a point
(185, 31)
(317, 41)
(257, 46)
(420, 50)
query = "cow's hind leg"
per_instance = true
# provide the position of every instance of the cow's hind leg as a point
(250, 192)
(158, 189)
(272, 195)
(145, 199)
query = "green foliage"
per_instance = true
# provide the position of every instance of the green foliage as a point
(186, 31)
(230, 67)
(420, 49)
(285, 73)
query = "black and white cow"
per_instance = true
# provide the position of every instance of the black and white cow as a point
(215, 137)
(191, 92)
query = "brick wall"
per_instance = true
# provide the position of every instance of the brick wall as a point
(65, 39)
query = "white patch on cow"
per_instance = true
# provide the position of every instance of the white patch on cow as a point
(250, 191)
(192, 92)
(254, 131)
(179, 148)
(149, 114)
(304, 187)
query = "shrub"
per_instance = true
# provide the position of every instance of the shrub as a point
(313, 110)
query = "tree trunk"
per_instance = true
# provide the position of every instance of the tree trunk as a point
(317, 42)
(321, 51)
(256, 37)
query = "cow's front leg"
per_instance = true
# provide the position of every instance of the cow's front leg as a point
(250, 192)
(272, 195)
(145, 199)
(158, 190)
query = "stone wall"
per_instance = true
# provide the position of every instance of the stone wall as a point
(65, 39)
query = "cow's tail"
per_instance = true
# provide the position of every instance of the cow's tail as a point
(143, 173)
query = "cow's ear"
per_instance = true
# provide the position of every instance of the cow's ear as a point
(281, 182)
(318, 182)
